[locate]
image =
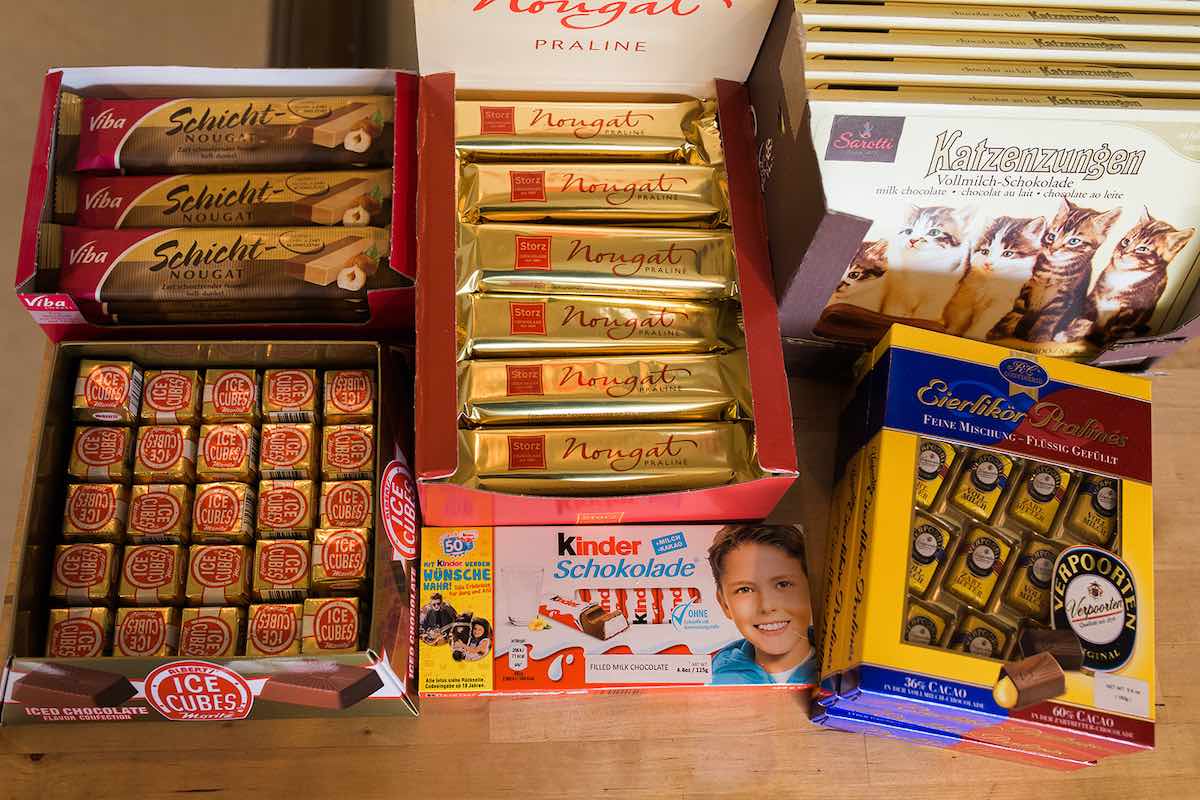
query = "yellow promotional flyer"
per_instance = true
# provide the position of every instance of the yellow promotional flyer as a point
(456, 610)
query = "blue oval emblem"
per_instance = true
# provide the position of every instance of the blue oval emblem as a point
(1024, 372)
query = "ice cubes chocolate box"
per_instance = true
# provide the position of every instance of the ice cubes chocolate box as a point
(990, 566)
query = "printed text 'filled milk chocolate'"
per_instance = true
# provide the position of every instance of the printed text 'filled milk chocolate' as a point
(525, 130)
(625, 262)
(198, 134)
(648, 194)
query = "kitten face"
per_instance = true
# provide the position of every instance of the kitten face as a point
(1009, 246)
(869, 264)
(929, 238)
(1077, 232)
(1151, 244)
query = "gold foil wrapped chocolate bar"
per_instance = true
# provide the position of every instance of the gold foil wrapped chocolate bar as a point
(574, 259)
(516, 325)
(605, 460)
(526, 130)
(646, 194)
(610, 389)
(352, 198)
(149, 269)
(205, 134)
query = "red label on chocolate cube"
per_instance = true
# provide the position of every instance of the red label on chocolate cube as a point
(350, 391)
(283, 507)
(345, 555)
(273, 629)
(283, 447)
(78, 637)
(225, 447)
(290, 388)
(282, 563)
(526, 452)
(498, 120)
(347, 505)
(335, 625)
(101, 447)
(169, 392)
(527, 318)
(154, 512)
(149, 567)
(204, 637)
(217, 567)
(160, 447)
(233, 394)
(533, 252)
(141, 633)
(347, 449)
(527, 185)
(217, 509)
(106, 387)
(91, 507)
(81, 566)
(523, 379)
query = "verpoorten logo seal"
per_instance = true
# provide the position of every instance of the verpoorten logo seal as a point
(1093, 594)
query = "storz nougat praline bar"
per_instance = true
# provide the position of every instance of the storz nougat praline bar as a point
(204, 134)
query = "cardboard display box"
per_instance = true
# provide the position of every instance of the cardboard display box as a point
(858, 199)
(388, 309)
(221, 688)
(990, 571)
(547, 54)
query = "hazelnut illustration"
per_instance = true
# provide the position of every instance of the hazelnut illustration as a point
(368, 265)
(357, 141)
(370, 203)
(351, 279)
(372, 130)
(355, 216)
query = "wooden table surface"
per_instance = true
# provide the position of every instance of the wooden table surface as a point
(674, 744)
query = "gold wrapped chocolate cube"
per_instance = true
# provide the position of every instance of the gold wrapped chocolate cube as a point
(291, 395)
(223, 513)
(153, 575)
(286, 509)
(84, 574)
(95, 512)
(219, 575)
(228, 451)
(289, 451)
(331, 625)
(341, 558)
(146, 632)
(171, 397)
(231, 395)
(274, 629)
(160, 513)
(101, 454)
(347, 504)
(211, 632)
(347, 452)
(349, 396)
(108, 391)
(281, 570)
(81, 632)
(165, 454)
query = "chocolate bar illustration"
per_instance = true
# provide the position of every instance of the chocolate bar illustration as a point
(326, 265)
(1029, 681)
(1063, 645)
(322, 685)
(330, 131)
(66, 685)
(347, 203)
(590, 618)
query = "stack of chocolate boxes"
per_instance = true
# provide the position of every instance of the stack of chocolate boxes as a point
(304, 242)
(599, 338)
(966, 148)
(239, 498)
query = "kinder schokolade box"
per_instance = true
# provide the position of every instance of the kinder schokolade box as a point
(991, 552)
(595, 608)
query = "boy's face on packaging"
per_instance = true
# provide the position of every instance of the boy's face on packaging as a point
(765, 592)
